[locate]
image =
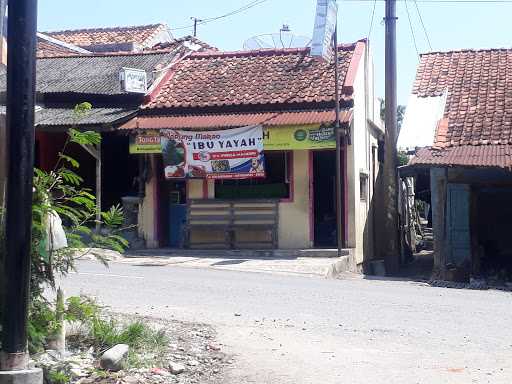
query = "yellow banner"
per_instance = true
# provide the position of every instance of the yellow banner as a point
(298, 137)
(282, 138)
(147, 143)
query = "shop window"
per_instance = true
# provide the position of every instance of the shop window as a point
(363, 186)
(275, 185)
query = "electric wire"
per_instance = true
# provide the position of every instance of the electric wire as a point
(231, 13)
(423, 24)
(441, 1)
(412, 29)
(371, 19)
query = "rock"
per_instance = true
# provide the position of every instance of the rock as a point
(114, 359)
(193, 363)
(477, 283)
(176, 368)
(160, 372)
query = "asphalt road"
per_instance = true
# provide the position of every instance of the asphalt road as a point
(291, 329)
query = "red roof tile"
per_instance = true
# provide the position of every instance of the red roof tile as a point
(140, 35)
(479, 88)
(203, 47)
(499, 156)
(260, 77)
(47, 49)
(50, 47)
(228, 120)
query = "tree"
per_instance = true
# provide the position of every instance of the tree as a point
(59, 194)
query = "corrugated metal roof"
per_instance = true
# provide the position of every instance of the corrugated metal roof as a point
(228, 120)
(497, 156)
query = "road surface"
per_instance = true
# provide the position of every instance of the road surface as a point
(292, 329)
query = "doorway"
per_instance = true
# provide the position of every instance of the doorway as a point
(324, 199)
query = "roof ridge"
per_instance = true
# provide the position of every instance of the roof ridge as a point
(105, 29)
(111, 54)
(461, 50)
(264, 51)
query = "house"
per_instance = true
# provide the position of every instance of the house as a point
(115, 39)
(65, 81)
(461, 112)
(291, 95)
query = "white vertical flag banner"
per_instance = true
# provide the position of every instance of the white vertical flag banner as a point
(325, 25)
(3, 31)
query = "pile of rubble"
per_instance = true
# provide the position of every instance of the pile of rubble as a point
(191, 357)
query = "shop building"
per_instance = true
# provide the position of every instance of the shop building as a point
(291, 96)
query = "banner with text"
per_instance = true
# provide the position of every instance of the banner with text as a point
(147, 143)
(298, 137)
(227, 154)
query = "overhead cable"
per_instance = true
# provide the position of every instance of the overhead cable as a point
(422, 24)
(412, 29)
(231, 13)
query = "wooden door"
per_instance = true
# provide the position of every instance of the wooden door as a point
(458, 228)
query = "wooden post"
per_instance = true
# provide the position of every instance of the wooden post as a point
(98, 187)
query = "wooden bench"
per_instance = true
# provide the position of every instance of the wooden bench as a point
(232, 217)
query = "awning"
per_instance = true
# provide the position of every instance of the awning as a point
(493, 156)
(66, 117)
(229, 120)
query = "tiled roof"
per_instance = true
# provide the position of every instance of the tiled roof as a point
(91, 74)
(479, 103)
(497, 156)
(262, 77)
(141, 35)
(50, 47)
(47, 49)
(229, 120)
(190, 40)
(53, 117)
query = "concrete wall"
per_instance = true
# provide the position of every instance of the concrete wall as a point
(147, 210)
(294, 224)
(360, 164)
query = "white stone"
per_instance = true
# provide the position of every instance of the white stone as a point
(114, 358)
(176, 368)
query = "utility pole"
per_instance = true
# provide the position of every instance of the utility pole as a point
(21, 76)
(337, 131)
(196, 20)
(390, 202)
(3, 139)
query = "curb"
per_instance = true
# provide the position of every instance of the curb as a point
(343, 264)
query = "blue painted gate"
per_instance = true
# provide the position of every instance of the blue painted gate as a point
(457, 224)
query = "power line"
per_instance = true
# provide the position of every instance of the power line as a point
(231, 13)
(422, 24)
(371, 19)
(412, 29)
(441, 1)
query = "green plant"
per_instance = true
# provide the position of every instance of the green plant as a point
(147, 346)
(60, 192)
(58, 377)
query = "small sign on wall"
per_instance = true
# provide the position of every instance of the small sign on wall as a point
(133, 80)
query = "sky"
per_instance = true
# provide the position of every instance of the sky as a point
(449, 26)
